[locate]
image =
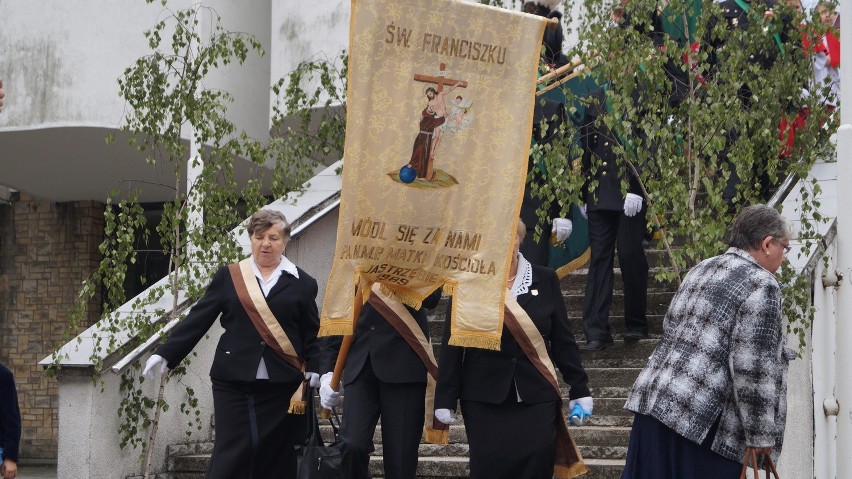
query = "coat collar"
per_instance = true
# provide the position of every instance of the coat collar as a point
(288, 270)
(526, 283)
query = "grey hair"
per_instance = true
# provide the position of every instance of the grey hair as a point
(265, 219)
(522, 229)
(754, 224)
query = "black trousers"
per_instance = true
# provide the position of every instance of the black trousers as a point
(608, 229)
(511, 440)
(401, 406)
(255, 436)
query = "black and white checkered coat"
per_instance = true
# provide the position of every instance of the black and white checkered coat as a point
(722, 354)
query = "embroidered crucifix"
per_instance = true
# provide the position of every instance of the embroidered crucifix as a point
(431, 118)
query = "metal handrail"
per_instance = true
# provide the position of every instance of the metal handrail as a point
(783, 190)
(822, 244)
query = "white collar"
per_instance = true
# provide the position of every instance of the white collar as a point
(523, 278)
(285, 265)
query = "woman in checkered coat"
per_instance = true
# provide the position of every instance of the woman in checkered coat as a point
(716, 384)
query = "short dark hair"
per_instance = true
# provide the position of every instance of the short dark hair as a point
(432, 90)
(265, 219)
(754, 224)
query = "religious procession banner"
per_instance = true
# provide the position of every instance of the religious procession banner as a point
(439, 116)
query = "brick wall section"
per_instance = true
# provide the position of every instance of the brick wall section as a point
(46, 250)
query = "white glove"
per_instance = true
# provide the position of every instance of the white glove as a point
(328, 397)
(562, 228)
(632, 204)
(445, 416)
(313, 379)
(586, 403)
(583, 211)
(155, 364)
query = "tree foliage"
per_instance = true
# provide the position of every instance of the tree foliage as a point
(686, 143)
(169, 109)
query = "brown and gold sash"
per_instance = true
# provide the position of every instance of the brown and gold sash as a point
(569, 462)
(400, 318)
(263, 319)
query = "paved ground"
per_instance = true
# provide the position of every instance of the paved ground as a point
(34, 472)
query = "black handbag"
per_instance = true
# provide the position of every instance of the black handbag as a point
(315, 459)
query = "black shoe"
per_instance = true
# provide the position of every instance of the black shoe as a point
(595, 345)
(633, 337)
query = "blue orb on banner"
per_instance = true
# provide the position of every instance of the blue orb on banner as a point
(407, 174)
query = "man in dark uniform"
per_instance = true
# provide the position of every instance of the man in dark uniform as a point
(382, 376)
(614, 219)
(549, 115)
(736, 15)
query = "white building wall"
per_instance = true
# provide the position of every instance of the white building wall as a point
(61, 60)
(89, 423)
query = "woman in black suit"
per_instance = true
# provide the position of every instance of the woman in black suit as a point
(511, 409)
(254, 377)
(383, 376)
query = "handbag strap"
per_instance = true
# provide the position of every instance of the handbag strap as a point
(314, 436)
(334, 427)
(751, 459)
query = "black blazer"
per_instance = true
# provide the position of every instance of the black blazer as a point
(292, 300)
(488, 376)
(392, 359)
(553, 115)
(600, 162)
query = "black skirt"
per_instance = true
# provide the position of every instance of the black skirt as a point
(657, 452)
(255, 436)
(512, 440)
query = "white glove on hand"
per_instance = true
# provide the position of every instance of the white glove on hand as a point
(562, 228)
(445, 416)
(583, 211)
(632, 204)
(328, 397)
(155, 364)
(313, 379)
(586, 403)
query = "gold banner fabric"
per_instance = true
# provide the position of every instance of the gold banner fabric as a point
(439, 114)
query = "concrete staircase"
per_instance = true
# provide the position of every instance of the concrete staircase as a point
(602, 440)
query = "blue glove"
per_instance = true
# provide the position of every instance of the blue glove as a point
(578, 415)
(581, 408)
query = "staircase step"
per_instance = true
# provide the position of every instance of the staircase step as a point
(612, 377)
(576, 280)
(457, 468)
(658, 303)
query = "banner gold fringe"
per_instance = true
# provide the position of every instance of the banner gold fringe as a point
(469, 341)
(569, 472)
(436, 436)
(337, 328)
(450, 288)
(402, 296)
(297, 407)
